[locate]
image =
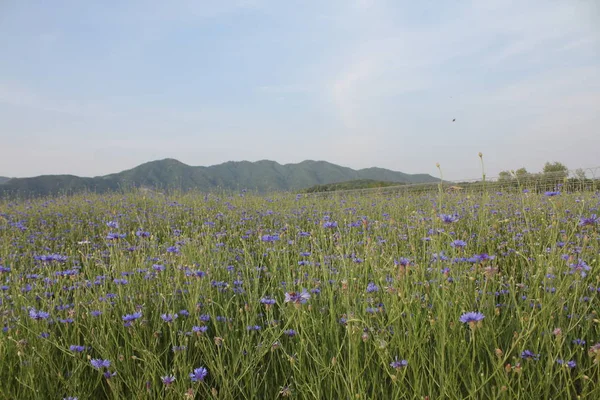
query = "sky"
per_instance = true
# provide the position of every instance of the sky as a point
(92, 88)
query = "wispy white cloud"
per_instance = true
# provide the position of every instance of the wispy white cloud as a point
(20, 96)
(285, 89)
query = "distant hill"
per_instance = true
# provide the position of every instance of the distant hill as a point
(351, 185)
(3, 179)
(262, 176)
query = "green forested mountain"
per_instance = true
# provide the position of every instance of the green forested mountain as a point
(3, 179)
(169, 174)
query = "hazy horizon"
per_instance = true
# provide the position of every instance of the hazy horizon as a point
(92, 89)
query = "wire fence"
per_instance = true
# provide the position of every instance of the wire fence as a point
(579, 180)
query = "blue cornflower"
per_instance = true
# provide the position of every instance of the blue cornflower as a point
(77, 348)
(198, 374)
(397, 364)
(113, 224)
(173, 249)
(529, 355)
(458, 243)
(199, 329)
(471, 317)
(132, 317)
(268, 301)
(38, 315)
(297, 298)
(142, 234)
(167, 380)
(115, 236)
(592, 220)
(169, 317)
(580, 267)
(552, 193)
(99, 363)
(269, 238)
(448, 218)
(571, 364)
(330, 224)
(371, 287)
(403, 261)
(290, 332)
(204, 317)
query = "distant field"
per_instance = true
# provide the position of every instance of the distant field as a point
(478, 294)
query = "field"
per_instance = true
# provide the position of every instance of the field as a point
(374, 296)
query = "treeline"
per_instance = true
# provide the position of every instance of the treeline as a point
(351, 185)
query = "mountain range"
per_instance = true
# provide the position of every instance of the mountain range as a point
(262, 176)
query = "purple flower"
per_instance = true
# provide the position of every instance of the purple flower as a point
(199, 329)
(269, 238)
(580, 267)
(552, 193)
(204, 317)
(471, 317)
(290, 332)
(113, 224)
(99, 363)
(38, 315)
(371, 287)
(397, 364)
(108, 374)
(167, 380)
(173, 249)
(115, 236)
(592, 220)
(267, 300)
(297, 298)
(529, 355)
(198, 374)
(403, 261)
(76, 348)
(142, 234)
(169, 317)
(458, 243)
(132, 317)
(448, 218)
(330, 224)
(571, 364)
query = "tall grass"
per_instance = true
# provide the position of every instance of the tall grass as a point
(388, 277)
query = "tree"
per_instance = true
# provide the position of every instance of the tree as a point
(580, 174)
(556, 171)
(504, 176)
(521, 173)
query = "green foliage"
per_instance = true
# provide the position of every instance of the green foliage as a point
(169, 174)
(347, 335)
(556, 171)
(350, 185)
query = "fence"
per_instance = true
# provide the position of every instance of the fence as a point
(568, 181)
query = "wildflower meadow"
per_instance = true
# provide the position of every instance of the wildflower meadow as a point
(480, 295)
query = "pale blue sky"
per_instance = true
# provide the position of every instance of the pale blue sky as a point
(95, 87)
